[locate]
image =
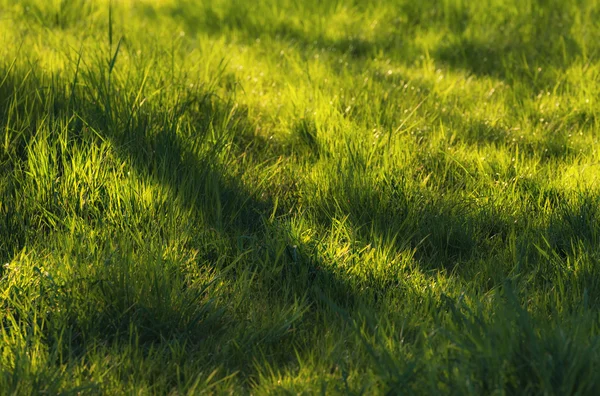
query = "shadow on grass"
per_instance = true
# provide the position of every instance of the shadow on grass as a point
(527, 50)
(245, 25)
(514, 50)
(139, 288)
(444, 232)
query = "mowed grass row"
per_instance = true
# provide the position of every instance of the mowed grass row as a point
(342, 197)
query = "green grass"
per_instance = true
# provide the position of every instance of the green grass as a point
(341, 197)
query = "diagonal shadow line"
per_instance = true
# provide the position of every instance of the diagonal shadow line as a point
(164, 156)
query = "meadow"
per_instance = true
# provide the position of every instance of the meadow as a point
(299, 197)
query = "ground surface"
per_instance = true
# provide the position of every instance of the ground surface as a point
(299, 196)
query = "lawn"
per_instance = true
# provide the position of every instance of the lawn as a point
(284, 196)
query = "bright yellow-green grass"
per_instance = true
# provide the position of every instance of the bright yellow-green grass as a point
(299, 196)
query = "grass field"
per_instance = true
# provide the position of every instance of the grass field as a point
(283, 196)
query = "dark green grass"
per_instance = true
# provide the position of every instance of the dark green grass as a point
(299, 197)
